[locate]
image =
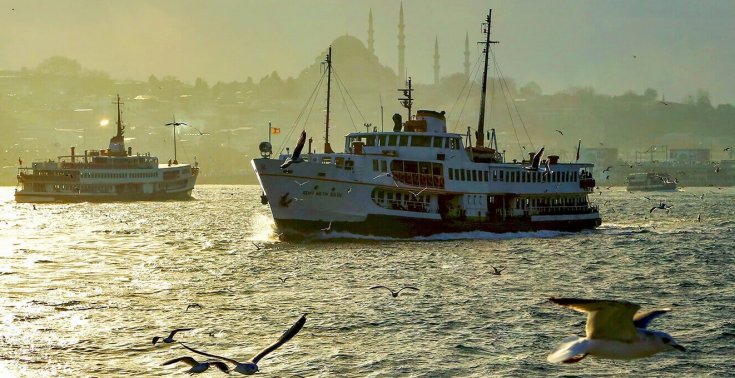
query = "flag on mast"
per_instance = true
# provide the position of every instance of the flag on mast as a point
(275, 130)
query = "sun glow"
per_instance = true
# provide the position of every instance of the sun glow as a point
(104, 122)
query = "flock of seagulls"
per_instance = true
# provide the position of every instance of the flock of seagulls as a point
(247, 367)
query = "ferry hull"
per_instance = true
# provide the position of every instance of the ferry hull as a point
(308, 200)
(22, 197)
(406, 227)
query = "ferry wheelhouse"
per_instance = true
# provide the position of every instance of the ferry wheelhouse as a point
(112, 174)
(420, 179)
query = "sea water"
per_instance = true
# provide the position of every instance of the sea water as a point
(85, 287)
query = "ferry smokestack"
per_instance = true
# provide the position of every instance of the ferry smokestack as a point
(72, 154)
(130, 151)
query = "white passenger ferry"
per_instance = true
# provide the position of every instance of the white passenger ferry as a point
(112, 174)
(420, 179)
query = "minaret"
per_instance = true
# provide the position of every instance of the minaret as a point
(466, 55)
(371, 40)
(436, 60)
(401, 48)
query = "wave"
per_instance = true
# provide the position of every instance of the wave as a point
(483, 235)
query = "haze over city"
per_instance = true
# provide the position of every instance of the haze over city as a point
(676, 47)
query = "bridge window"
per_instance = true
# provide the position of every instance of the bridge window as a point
(403, 140)
(438, 142)
(420, 141)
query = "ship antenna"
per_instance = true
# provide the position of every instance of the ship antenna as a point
(120, 127)
(328, 61)
(486, 51)
(174, 124)
(407, 101)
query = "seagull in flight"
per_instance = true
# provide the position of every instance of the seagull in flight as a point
(296, 155)
(416, 194)
(615, 329)
(607, 169)
(250, 366)
(192, 305)
(198, 367)
(389, 175)
(393, 292)
(301, 183)
(256, 245)
(662, 206)
(497, 271)
(559, 131)
(328, 228)
(170, 337)
(536, 160)
(726, 149)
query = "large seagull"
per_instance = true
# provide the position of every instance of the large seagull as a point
(615, 329)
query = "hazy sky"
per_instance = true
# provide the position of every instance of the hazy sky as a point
(680, 46)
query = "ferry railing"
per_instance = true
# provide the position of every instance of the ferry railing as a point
(419, 179)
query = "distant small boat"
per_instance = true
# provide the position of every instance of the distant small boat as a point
(112, 174)
(650, 182)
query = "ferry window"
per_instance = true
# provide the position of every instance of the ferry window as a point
(370, 140)
(410, 166)
(461, 171)
(474, 175)
(575, 176)
(486, 176)
(403, 141)
(438, 142)
(396, 165)
(424, 167)
(501, 175)
(452, 143)
(420, 141)
(381, 140)
(375, 165)
(436, 169)
(392, 140)
(451, 174)
(383, 166)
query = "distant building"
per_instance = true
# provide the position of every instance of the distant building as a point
(690, 155)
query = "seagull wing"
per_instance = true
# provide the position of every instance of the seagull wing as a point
(156, 338)
(653, 208)
(178, 330)
(537, 158)
(187, 360)
(569, 348)
(230, 360)
(407, 287)
(642, 319)
(288, 335)
(606, 319)
(299, 146)
(221, 365)
(383, 287)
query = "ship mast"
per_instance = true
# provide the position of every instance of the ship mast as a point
(407, 100)
(174, 124)
(117, 143)
(486, 50)
(120, 127)
(328, 61)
